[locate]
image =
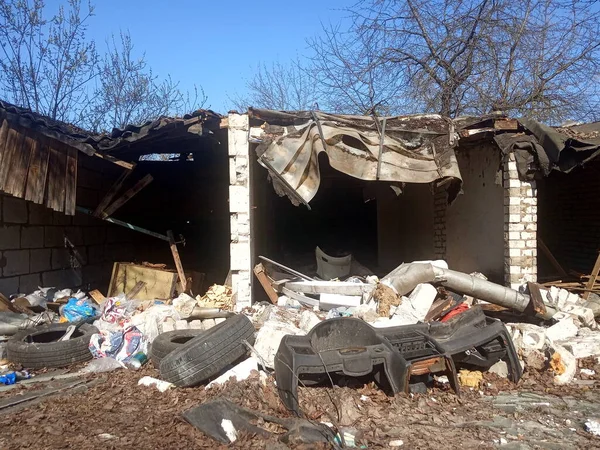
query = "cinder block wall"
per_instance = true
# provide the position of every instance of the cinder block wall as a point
(32, 244)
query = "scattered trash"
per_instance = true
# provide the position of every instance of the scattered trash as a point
(470, 378)
(396, 443)
(162, 386)
(101, 365)
(588, 372)
(78, 309)
(593, 427)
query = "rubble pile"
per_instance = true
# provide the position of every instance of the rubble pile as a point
(420, 327)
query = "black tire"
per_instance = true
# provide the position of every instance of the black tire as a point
(208, 354)
(165, 343)
(34, 348)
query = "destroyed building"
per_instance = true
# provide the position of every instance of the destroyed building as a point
(509, 198)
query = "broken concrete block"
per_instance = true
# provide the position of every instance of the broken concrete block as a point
(286, 302)
(585, 315)
(366, 312)
(207, 324)
(220, 320)
(330, 301)
(527, 336)
(564, 365)
(269, 337)
(563, 329)
(552, 297)
(196, 325)
(586, 343)
(563, 295)
(181, 325)
(308, 320)
(418, 304)
(534, 359)
(240, 372)
(500, 369)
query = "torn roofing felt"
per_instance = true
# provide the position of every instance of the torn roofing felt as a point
(402, 149)
(547, 148)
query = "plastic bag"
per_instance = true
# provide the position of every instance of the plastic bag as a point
(102, 365)
(120, 345)
(76, 310)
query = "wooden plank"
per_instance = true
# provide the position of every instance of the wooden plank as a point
(536, 304)
(97, 296)
(128, 195)
(261, 275)
(160, 284)
(552, 259)
(111, 193)
(330, 287)
(506, 124)
(19, 167)
(36, 178)
(593, 276)
(13, 145)
(3, 136)
(177, 260)
(136, 290)
(118, 162)
(71, 181)
(55, 190)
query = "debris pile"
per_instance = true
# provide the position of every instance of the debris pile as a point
(420, 327)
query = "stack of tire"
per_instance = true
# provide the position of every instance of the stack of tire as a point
(40, 347)
(190, 357)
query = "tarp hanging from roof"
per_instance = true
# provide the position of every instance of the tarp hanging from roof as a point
(409, 149)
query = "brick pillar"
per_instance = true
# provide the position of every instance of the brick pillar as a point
(239, 210)
(440, 203)
(520, 227)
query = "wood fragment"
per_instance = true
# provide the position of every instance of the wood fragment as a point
(71, 181)
(97, 296)
(160, 284)
(19, 166)
(506, 124)
(38, 170)
(261, 275)
(177, 260)
(118, 162)
(593, 276)
(110, 195)
(13, 145)
(552, 259)
(128, 195)
(55, 191)
(3, 136)
(136, 290)
(536, 304)
(6, 305)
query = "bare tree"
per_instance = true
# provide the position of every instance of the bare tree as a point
(46, 64)
(537, 58)
(129, 92)
(280, 87)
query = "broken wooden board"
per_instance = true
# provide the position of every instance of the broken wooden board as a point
(536, 304)
(97, 296)
(265, 282)
(546, 251)
(330, 287)
(136, 290)
(593, 276)
(177, 259)
(160, 284)
(308, 301)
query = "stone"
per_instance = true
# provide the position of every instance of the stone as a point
(563, 364)
(585, 344)
(563, 329)
(527, 336)
(10, 237)
(308, 320)
(534, 359)
(32, 237)
(196, 325)
(500, 369)
(585, 315)
(17, 262)
(14, 210)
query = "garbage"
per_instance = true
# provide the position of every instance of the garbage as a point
(500, 369)
(414, 308)
(470, 378)
(217, 296)
(593, 427)
(12, 377)
(78, 309)
(240, 372)
(162, 386)
(101, 365)
(120, 345)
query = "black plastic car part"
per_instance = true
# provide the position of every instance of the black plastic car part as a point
(392, 355)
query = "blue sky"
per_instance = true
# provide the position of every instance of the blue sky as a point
(213, 44)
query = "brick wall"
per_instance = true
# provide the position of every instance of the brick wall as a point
(32, 245)
(569, 218)
(440, 203)
(520, 227)
(239, 208)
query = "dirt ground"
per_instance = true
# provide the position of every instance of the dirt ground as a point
(111, 411)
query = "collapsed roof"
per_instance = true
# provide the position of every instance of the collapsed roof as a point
(405, 149)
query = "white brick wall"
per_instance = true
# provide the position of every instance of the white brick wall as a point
(520, 227)
(239, 210)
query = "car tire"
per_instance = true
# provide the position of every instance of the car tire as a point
(209, 353)
(165, 343)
